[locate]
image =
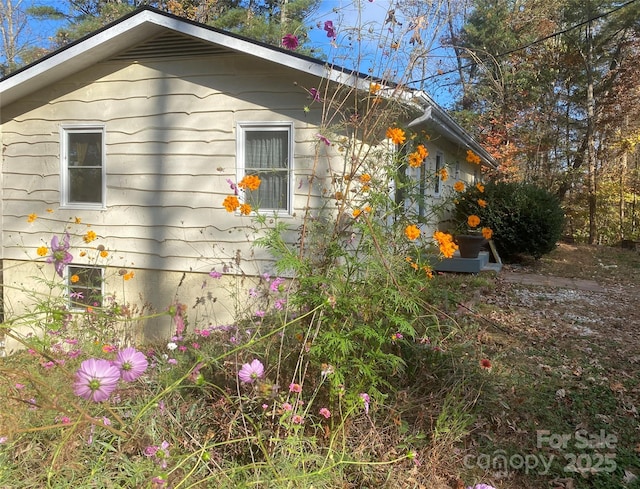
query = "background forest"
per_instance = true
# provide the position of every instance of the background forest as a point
(550, 87)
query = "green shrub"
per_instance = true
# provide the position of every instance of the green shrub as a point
(525, 219)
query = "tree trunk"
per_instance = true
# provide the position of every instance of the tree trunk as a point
(621, 204)
(591, 146)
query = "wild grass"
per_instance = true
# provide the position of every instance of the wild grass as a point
(438, 420)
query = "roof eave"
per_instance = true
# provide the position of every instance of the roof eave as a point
(455, 132)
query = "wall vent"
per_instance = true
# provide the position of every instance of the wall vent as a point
(170, 45)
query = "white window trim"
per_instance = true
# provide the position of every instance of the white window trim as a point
(76, 307)
(241, 128)
(64, 168)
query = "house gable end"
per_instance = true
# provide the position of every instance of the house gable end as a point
(170, 44)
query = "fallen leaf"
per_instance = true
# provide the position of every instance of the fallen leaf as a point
(617, 387)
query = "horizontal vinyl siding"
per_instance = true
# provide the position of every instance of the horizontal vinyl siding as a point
(170, 147)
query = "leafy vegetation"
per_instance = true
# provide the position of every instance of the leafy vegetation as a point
(525, 218)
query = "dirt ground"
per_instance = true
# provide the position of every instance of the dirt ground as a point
(563, 334)
(579, 292)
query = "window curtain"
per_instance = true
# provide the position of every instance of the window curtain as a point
(266, 154)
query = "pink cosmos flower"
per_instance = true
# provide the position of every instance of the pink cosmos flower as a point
(160, 453)
(60, 255)
(325, 412)
(232, 186)
(275, 285)
(250, 372)
(315, 94)
(131, 363)
(96, 379)
(287, 406)
(215, 274)
(297, 419)
(366, 399)
(324, 139)
(290, 41)
(297, 388)
(329, 28)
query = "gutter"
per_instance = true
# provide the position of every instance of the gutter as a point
(436, 114)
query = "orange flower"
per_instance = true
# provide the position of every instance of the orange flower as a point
(368, 208)
(487, 233)
(78, 220)
(417, 157)
(74, 279)
(396, 135)
(89, 237)
(50, 211)
(231, 203)
(356, 212)
(365, 178)
(128, 275)
(83, 253)
(458, 186)
(374, 88)
(443, 174)
(482, 203)
(445, 243)
(251, 182)
(32, 217)
(104, 253)
(472, 157)
(245, 209)
(412, 232)
(480, 187)
(473, 220)
(42, 250)
(428, 271)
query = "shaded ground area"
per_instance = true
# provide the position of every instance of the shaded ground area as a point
(598, 295)
(563, 334)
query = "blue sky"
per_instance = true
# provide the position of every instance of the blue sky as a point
(362, 43)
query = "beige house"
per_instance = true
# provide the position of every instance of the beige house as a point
(135, 132)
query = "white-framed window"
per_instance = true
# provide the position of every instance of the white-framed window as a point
(437, 185)
(266, 149)
(82, 174)
(85, 286)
